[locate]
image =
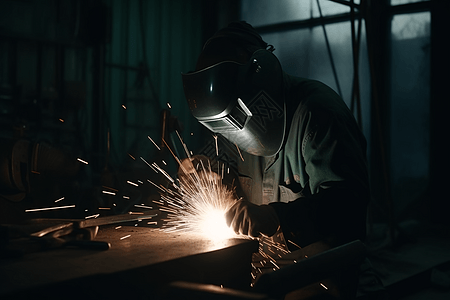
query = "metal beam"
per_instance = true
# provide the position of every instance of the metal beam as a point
(285, 26)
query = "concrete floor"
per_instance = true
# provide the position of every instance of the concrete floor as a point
(417, 265)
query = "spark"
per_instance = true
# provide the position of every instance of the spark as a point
(184, 144)
(105, 208)
(154, 143)
(163, 172)
(135, 213)
(123, 106)
(92, 216)
(132, 183)
(61, 120)
(131, 156)
(160, 188)
(217, 145)
(148, 164)
(198, 203)
(125, 237)
(239, 151)
(143, 206)
(109, 193)
(168, 105)
(109, 188)
(152, 223)
(62, 198)
(323, 285)
(294, 244)
(118, 227)
(83, 161)
(125, 197)
(50, 208)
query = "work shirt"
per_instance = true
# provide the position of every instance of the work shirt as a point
(317, 182)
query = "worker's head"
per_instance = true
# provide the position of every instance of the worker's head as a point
(236, 90)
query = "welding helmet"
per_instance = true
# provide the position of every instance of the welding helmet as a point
(243, 102)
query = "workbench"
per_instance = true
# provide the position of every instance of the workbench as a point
(139, 264)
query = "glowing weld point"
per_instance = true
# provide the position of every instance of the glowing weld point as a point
(124, 237)
(213, 225)
(83, 161)
(323, 285)
(132, 183)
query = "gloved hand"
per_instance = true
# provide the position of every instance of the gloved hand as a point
(250, 219)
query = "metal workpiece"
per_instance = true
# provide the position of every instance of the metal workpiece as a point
(140, 263)
(313, 264)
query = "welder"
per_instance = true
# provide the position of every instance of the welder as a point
(303, 167)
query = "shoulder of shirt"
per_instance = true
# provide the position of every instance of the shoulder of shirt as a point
(310, 94)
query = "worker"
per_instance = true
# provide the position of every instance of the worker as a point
(303, 166)
(304, 157)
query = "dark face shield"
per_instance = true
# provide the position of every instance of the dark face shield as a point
(243, 102)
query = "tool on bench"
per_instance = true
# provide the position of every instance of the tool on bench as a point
(44, 234)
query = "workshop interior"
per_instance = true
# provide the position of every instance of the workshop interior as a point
(94, 122)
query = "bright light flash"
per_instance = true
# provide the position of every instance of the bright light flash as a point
(199, 203)
(213, 225)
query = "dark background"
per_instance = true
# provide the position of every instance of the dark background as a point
(95, 79)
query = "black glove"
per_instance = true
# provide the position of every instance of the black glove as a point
(251, 219)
